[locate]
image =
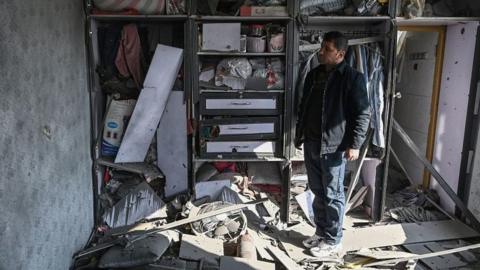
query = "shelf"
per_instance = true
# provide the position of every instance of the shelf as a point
(260, 159)
(240, 91)
(333, 20)
(172, 18)
(241, 19)
(247, 54)
(433, 21)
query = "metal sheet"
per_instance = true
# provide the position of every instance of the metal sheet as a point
(139, 204)
(151, 104)
(172, 148)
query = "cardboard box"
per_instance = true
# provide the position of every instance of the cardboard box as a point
(257, 11)
(223, 37)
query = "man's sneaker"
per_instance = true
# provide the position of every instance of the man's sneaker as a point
(312, 241)
(326, 250)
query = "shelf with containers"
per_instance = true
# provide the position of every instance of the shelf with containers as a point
(241, 83)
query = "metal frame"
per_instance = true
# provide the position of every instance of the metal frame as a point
(287, 121)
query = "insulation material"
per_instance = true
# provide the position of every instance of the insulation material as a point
(172, 145)
(141, 203)
(151, 104)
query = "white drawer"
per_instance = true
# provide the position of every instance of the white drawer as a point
(241, 104)
(241, 147)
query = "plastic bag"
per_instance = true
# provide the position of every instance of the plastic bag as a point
(233, 72)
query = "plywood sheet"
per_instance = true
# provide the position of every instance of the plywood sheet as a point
(150, 105)
(379, 236)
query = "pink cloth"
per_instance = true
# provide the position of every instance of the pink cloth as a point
(129, 60)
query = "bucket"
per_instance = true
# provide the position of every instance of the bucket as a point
(256, 44)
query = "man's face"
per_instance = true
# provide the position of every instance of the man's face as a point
(329, 55)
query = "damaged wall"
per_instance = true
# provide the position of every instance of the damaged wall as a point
(45, 169)
(452, 108)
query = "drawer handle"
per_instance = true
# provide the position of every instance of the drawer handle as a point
(237, 128)
(240, 103)
(239, 146)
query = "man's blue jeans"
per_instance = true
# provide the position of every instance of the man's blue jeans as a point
(325, 179)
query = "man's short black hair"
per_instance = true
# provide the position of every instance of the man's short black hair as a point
(338, 39)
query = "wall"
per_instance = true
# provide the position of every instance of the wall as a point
(45, 168)
(412, 111)
(453, 103)
(474, 193)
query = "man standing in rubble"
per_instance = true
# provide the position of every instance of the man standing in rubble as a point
(332, 124)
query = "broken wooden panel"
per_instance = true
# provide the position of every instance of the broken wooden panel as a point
(448, 261)
(141, 203)
(231, 263)
(172, 146)
(379, 236)
(151, 104)
(200, 248)
(399, 234)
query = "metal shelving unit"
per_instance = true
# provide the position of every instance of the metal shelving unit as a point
(294, 23)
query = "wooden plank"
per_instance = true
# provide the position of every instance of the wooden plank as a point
(284, 259)
(429, 255)
(445, 186)
(420, 249)
(408, 233)
(451, 260)
(378, 236)
(260, 245)
(383, 254)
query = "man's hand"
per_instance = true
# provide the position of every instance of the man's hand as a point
(352, 154)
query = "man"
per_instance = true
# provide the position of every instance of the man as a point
(333, 122)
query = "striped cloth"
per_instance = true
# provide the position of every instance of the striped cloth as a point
(142, 6)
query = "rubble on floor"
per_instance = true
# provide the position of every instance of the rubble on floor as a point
(232, 222)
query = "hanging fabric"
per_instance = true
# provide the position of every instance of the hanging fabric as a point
(130, 60)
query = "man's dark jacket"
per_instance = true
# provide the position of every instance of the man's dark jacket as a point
(346, 112)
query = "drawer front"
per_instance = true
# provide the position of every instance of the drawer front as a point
(220, 149)
(240, 104)
(258, 128)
